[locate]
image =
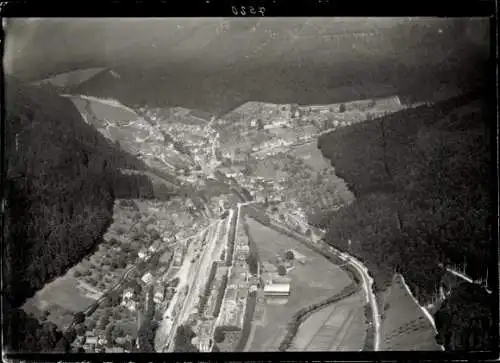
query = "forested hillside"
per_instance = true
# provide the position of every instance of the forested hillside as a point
(465, 320)
(61, 178)
(422, 181)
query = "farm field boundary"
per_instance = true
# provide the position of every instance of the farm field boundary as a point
(302, 314)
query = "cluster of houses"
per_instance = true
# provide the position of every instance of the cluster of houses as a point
(98, 344)
(263, 189)
(145, 253)
(241, 247)
(221, 270)
(129, 300)
(184, 131)
(297, 219)
(272, 116)
(274, 284)
(271, 144)
(259, 188)
(231, 172)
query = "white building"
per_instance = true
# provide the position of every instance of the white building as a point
(154, 247)
(159, 294)
(143, 254)
(281, 289)
(131, 305)
(319, 108)
(147, 278)
(127, 294)
(91, 340)
(204, 344)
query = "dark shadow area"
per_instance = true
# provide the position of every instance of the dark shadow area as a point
(61, 180)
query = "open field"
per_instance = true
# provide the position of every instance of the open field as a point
(267, 169)
(339, 326)
(405, 327)
(313, 282)
(311, 156)
(72, 78)
(82, 105)
(119, 116)
(62, 298)
(287, 134)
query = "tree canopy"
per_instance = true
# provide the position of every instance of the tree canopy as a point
(421, 180)
(61, 179)
(281, 270)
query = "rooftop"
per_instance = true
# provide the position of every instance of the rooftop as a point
(277, 288)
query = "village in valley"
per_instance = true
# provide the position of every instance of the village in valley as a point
(248, 184)
(194, 273)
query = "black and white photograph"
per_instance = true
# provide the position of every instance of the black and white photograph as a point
(249, 184)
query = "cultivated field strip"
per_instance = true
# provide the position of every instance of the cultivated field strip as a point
(413, 325)
(320, 325)
(344, 329)
(332, 334)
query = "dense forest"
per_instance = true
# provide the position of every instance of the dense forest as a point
(146, 333)
(470, 331)
(421, 179)
(61, 179)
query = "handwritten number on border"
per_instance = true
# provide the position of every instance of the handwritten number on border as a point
(243, 10)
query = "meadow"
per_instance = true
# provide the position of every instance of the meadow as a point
(311, 156)
(405, 326)
(312, 282)
(60, 299)
(339, 326)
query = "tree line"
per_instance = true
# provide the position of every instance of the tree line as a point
(183, 337)
(301, 315)
(146, 332)
(220, 295)
(247, 321)
(208, 288)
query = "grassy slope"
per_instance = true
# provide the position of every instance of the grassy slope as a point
(404, 325)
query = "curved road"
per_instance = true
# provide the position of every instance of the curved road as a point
(362, 270)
